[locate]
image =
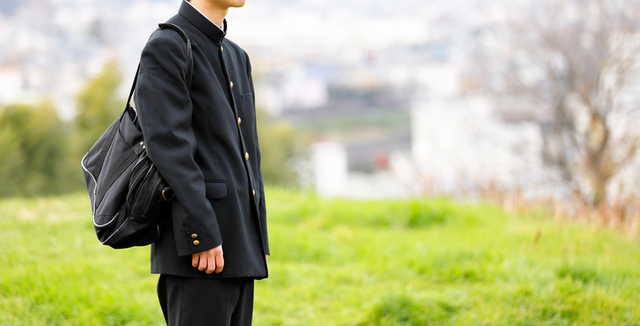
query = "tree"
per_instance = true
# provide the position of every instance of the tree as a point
(278, 147)
(12, 160)
(32, 141)
(38, 154)
(572, 63)
(98, 106)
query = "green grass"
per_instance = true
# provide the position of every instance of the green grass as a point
(338, 262)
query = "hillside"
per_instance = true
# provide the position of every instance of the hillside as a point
(338, 262)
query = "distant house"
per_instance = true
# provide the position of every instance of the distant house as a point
(463, 145)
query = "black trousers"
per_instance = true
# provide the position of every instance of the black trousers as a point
(187, 301)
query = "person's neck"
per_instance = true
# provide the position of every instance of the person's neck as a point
(215, 14)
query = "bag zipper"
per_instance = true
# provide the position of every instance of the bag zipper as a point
(120, 168)
(150, 197)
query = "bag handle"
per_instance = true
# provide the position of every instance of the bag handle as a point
(189, 59)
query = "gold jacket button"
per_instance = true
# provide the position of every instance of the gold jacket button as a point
(246, 156)
(195, 235)
(231, 84)
(254, 192)
(196, 242)
(221, 49)
(239, 121)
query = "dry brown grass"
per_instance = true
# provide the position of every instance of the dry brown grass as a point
(622, 213)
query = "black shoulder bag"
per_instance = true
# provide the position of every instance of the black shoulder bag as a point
(128, 196)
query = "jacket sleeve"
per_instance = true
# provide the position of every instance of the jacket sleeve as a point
(262, 208)
(165, 109)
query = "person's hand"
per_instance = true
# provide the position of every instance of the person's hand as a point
(209, 261)
(266, 257)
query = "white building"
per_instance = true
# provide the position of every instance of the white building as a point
(461, 147)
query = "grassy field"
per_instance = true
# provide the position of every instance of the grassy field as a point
(338, 262)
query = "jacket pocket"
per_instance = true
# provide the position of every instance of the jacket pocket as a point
(216, 190)
(247, 100)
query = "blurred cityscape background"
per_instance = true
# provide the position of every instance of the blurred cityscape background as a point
(358, 98)
(511, 126)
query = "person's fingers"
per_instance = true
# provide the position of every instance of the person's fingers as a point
(211, 264)
(195, 260)
(219, 264)
(203, 262)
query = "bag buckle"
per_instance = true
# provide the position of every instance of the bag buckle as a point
(168, 194)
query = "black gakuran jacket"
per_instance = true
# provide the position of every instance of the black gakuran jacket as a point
(204, 143)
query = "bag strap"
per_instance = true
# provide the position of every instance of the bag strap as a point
(189, 55)
(189, 50)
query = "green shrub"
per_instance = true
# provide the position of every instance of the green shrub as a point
(578, 272)
(402, 309)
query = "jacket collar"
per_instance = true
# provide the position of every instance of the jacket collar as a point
(203, 23)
